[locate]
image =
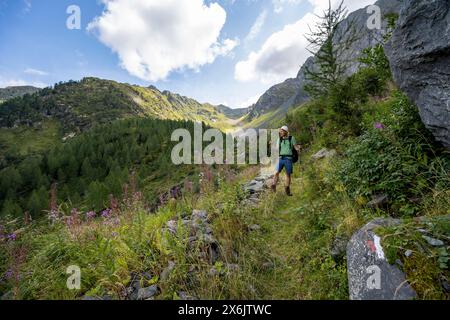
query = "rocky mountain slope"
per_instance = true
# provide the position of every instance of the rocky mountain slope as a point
(291, 92)
(16, 91)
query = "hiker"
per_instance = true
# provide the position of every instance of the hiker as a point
(288, 156)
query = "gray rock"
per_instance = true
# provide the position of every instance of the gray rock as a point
(207, 239)
(444, 284)
(408, 253)
(419, 53)
(172, 226)
(147, 293)
(254, 227)
(264, 177)
(185, 296)
(433, 242)
(339, 248)
(199, 215)
(370, 276)
(378, 201)
(324, 153)
(269, 265)
(254, 187)
(213, 272)
(233, 267)
(166, 272)
(214, 253)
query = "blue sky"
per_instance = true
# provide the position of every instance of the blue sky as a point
(221, 51)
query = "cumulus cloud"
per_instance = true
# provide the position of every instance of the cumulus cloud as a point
(153, 38)
(282, 54)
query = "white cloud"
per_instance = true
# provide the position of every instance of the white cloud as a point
(154, 37)
(35, 72)
(257, 26)
(282, 54)
(278, 5)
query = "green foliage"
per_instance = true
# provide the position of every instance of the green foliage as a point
(375, 59)
(96, 164)
(396, 156)
(338, 114)
(425, 266)
(329, 39)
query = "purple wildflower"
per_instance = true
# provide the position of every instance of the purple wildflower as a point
(379, 126)
(53, 216)
(114, 234)
(9, 274)
(12, 237)
(91, 215)
(106, 213)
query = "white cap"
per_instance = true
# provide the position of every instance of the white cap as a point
(285, 128)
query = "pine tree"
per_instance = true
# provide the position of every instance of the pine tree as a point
(11, 208)
(38, 202)
(329, 40)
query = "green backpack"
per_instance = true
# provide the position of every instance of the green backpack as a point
(294, 151)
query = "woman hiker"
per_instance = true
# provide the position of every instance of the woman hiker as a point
(286, 145)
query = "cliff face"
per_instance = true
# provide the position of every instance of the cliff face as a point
(419, 52)
(291, 92)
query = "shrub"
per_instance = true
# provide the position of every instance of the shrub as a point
(396, 156)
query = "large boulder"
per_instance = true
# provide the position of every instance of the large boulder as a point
(370, 276)
(419, 52)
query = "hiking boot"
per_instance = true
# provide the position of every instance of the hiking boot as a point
(288, 192)
(273, 187)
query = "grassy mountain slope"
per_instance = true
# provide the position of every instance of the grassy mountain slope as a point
(32, 124)
(80, 105)
(289, 255)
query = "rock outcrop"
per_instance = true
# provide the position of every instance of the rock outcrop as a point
(419, 53)
(370, 276)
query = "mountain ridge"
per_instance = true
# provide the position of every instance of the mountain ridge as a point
(78, 105)
(11, 92)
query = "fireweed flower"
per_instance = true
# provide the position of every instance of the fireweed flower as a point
(53, 216)
(91, 215)
(12, 237)
(379, 126)
(106, 213)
